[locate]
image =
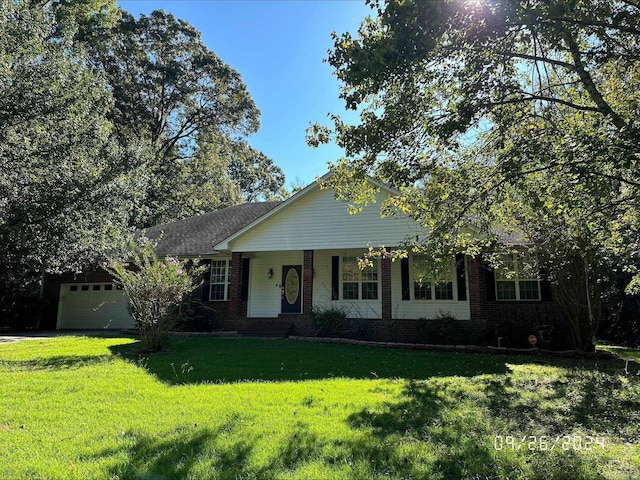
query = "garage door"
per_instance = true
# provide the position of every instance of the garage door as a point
(92, 306)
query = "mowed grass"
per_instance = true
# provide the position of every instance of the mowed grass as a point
(79, 407)
(623, 352)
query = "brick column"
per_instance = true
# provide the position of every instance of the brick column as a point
(476, 279)
(307, 282)
(386, 288)
(235, 285)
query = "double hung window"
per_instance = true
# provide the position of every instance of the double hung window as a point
(424, 287)
(517, 278)
(220, 279)
(357, 283)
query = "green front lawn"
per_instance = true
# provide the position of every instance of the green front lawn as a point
(74, 407)
(623, 352)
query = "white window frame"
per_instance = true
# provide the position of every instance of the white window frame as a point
(226, 283)
(432, 286)
(360, 280)
(516, 278)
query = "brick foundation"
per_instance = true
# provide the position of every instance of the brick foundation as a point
(235, 283)
(282, 326)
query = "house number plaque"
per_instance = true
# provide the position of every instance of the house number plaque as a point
(292, 286)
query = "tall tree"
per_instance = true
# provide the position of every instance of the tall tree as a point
(67, 191)
(507, 116)
(254, 172)
(79, 19)
(178, 96)
(226, 171)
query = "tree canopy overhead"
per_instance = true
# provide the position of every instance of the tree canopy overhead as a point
(178, 96)
(506, 116)
(426, 69)
(108, 123)
(79, 19)
(431, 78)
(68, 191)
(168, 86)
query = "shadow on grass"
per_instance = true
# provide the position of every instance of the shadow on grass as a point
(440, 428)
(443, 425)
(454, 437)
(208, 453)
(179, 454)
(65, 362)
(428, 418)
(600, 403)
(223, 453)
(202, 360)
(425, 435)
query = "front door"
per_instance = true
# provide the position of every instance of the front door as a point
(292, 289)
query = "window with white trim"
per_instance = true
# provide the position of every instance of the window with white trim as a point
(220, 280)
(424, 289)
(516, 279)
(357, 283)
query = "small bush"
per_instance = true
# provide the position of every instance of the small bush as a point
(200, 317)
(445, 329)
(333, 322)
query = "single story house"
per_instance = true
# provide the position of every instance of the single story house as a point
(271, 265)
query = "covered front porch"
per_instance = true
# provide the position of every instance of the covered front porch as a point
(273, 284)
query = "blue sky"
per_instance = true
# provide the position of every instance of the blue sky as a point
(278, 47)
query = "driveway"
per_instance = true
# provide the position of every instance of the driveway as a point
(16, 337)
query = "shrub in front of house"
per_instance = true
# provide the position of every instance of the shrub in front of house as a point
(157, 289)
(201, 317)
(445, 329)
(334, 322)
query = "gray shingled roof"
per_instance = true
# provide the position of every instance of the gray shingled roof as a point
(197, 235)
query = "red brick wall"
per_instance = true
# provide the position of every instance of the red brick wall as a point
(307, 282)
(282, 326)
(235, 308)
(477, 288)
(490, 319)
(406, 331)
(385, 268)
(514, 321)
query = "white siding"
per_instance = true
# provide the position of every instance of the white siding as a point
(265, 300)
(424, 308)
(322, 286)
(319, 221)
(410, 309)
(316, 221)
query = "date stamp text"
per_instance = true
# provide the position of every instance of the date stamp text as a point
(548, 442)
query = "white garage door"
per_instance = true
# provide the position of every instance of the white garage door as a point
(92, 306)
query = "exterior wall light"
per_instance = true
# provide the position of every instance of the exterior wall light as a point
(270, 273)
